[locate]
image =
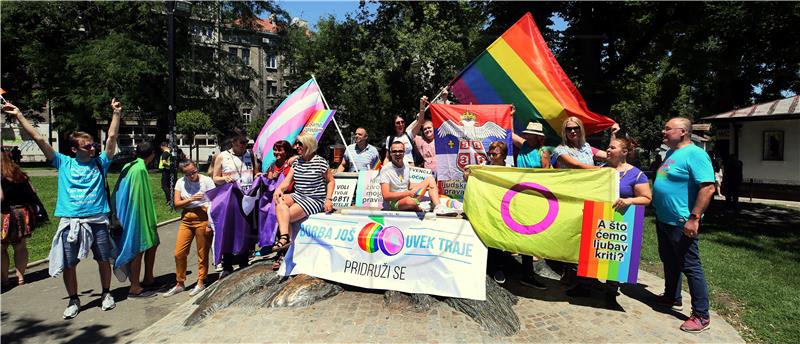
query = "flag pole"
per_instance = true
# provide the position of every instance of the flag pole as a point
(333, 117)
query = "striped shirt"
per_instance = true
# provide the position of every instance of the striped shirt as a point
(309, 178)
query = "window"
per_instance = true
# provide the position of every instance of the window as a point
(247, 115)
(272, 62)
(232, 53)
(246, 56)
(272, 88)
(773, 145)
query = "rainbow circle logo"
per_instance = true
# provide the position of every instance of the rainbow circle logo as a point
(549, 218)
(374, 237)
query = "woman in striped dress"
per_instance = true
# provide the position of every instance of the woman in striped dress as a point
(313, 189)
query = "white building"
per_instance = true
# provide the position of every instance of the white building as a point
(766, 138)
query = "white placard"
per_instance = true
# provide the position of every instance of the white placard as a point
(368, 192)
(438, 257)
(418, 174)
(343, 192)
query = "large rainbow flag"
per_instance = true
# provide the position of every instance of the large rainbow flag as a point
(288, 120)
(519, 68)
(611, 242)
(133, 200)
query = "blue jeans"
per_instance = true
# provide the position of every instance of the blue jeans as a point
(101, 246)
(680, 253)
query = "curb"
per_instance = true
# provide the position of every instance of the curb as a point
(45, 260)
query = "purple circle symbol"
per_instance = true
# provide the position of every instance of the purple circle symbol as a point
(549, 218)
(391, 241)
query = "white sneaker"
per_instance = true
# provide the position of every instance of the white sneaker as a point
(218, 267)
(442, 210)
(175, 289)
(73, 308)
(108, 302)
(197, 289)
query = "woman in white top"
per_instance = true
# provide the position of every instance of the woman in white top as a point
(235, 164)
(190, 194)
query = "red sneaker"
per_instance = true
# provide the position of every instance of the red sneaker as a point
(696, 324)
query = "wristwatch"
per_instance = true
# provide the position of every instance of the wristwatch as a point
(694, 216)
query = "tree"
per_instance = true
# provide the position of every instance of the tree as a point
(190, 123)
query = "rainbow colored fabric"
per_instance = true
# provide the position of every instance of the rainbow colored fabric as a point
(534, 211)
(318, 122)
(519, 68)
(288, 120)
(611, 242)
(133, 202)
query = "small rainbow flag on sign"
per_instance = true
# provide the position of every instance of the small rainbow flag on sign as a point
(287, 120)
(519, 68)
(610, 242)
(318, 122)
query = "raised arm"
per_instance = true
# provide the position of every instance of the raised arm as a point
(113, 128)
(517, 140)
(416, 125)
(14, 112)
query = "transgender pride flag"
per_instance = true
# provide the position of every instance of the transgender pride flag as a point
(288, 120)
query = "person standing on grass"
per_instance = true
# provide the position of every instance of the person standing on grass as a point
(137, 215)
(19, 209)
(82, 205)
(683, 188)
(164, 159)
(190, 195)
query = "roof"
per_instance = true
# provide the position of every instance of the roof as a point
(778, 109)
(263, 25)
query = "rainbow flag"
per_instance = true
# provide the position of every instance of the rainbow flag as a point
(318, 122)
(287, 120)
(134, 208)
(611, 242)
(378, 165)
(519, 68)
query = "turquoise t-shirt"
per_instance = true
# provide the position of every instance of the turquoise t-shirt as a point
(530, 157)
(678, 181)
(81, 191)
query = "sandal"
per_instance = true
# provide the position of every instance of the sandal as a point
(282, 243)
(278, 261)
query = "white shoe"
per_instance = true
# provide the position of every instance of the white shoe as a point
(73, 308)
(175, 289)
(224, 274)
(218, 267)
(197, 289)
(442, 210)
(108, 302)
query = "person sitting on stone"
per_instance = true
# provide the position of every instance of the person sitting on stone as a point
(398, 191)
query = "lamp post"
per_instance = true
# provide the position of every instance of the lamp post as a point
(173, 8)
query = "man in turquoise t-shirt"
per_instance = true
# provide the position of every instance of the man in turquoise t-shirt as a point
(82, 206)
(682, 190)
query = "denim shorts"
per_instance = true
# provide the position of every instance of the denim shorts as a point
(101, 246)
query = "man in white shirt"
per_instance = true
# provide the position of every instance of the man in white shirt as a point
(398, 191)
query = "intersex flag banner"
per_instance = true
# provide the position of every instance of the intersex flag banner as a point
(519, 68)
(463, 133)
(317, 123)
(437, 257)
(535, 211)
(288, 120)
(611, 242)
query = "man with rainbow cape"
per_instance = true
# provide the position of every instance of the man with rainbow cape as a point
(137, 215)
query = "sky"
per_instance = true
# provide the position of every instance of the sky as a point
(311, 11)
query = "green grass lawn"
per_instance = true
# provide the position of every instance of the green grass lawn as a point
(40, 240)
(751, 260)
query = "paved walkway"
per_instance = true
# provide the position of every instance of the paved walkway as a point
(32, 313)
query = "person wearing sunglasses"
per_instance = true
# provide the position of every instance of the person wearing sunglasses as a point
(190, 196)
(82, 205)
(406, 134)
(397, 190)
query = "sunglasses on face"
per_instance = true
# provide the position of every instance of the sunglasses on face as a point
(398, 152)
(192, 173)
(399, 122)
(298, 144)
(88, 146)
(573, 129)
(494, 154)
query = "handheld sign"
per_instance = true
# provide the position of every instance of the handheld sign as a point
(610, 242)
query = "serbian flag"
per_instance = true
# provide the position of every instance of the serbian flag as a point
(519, 68)
(288, 120)
(318, 122)
(463, 133)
